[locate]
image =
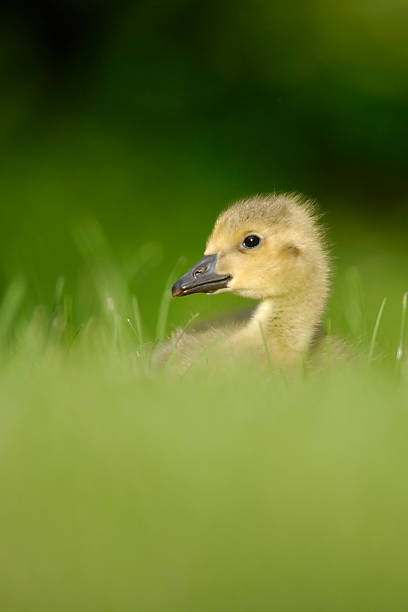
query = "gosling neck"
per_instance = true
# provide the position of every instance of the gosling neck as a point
(288, 323)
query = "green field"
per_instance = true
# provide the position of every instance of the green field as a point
(125, 128)
(127, 489)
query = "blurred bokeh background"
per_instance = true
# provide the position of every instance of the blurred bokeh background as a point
(124, 128)
(139, 121)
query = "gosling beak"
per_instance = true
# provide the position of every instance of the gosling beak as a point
(201, 278)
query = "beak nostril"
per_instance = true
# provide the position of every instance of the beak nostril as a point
(200, 270)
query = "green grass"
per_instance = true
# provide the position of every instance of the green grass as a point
(122, 489)
(125, 489)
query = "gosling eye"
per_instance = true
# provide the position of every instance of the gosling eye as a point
(251, 241)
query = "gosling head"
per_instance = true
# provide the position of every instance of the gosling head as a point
(263, 247)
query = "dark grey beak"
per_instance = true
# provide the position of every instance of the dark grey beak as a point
(201, 278)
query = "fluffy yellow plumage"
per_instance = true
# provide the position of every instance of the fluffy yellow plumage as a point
(272, 249)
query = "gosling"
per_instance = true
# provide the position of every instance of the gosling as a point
(271, 249)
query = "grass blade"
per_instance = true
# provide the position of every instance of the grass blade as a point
(10, 305)
(193, 317)
(138, 320)
(165, 304)
(375, 331)
(400, 349)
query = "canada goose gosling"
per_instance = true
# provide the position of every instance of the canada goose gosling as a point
(271, 249)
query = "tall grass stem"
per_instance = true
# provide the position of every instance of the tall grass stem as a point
(400, 349)
(375, 331)
(165, 304)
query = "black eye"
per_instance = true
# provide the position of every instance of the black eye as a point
(251, 241)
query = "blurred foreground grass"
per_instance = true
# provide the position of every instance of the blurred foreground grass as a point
(124, 489)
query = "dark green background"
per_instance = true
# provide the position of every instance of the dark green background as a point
(146, 118)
